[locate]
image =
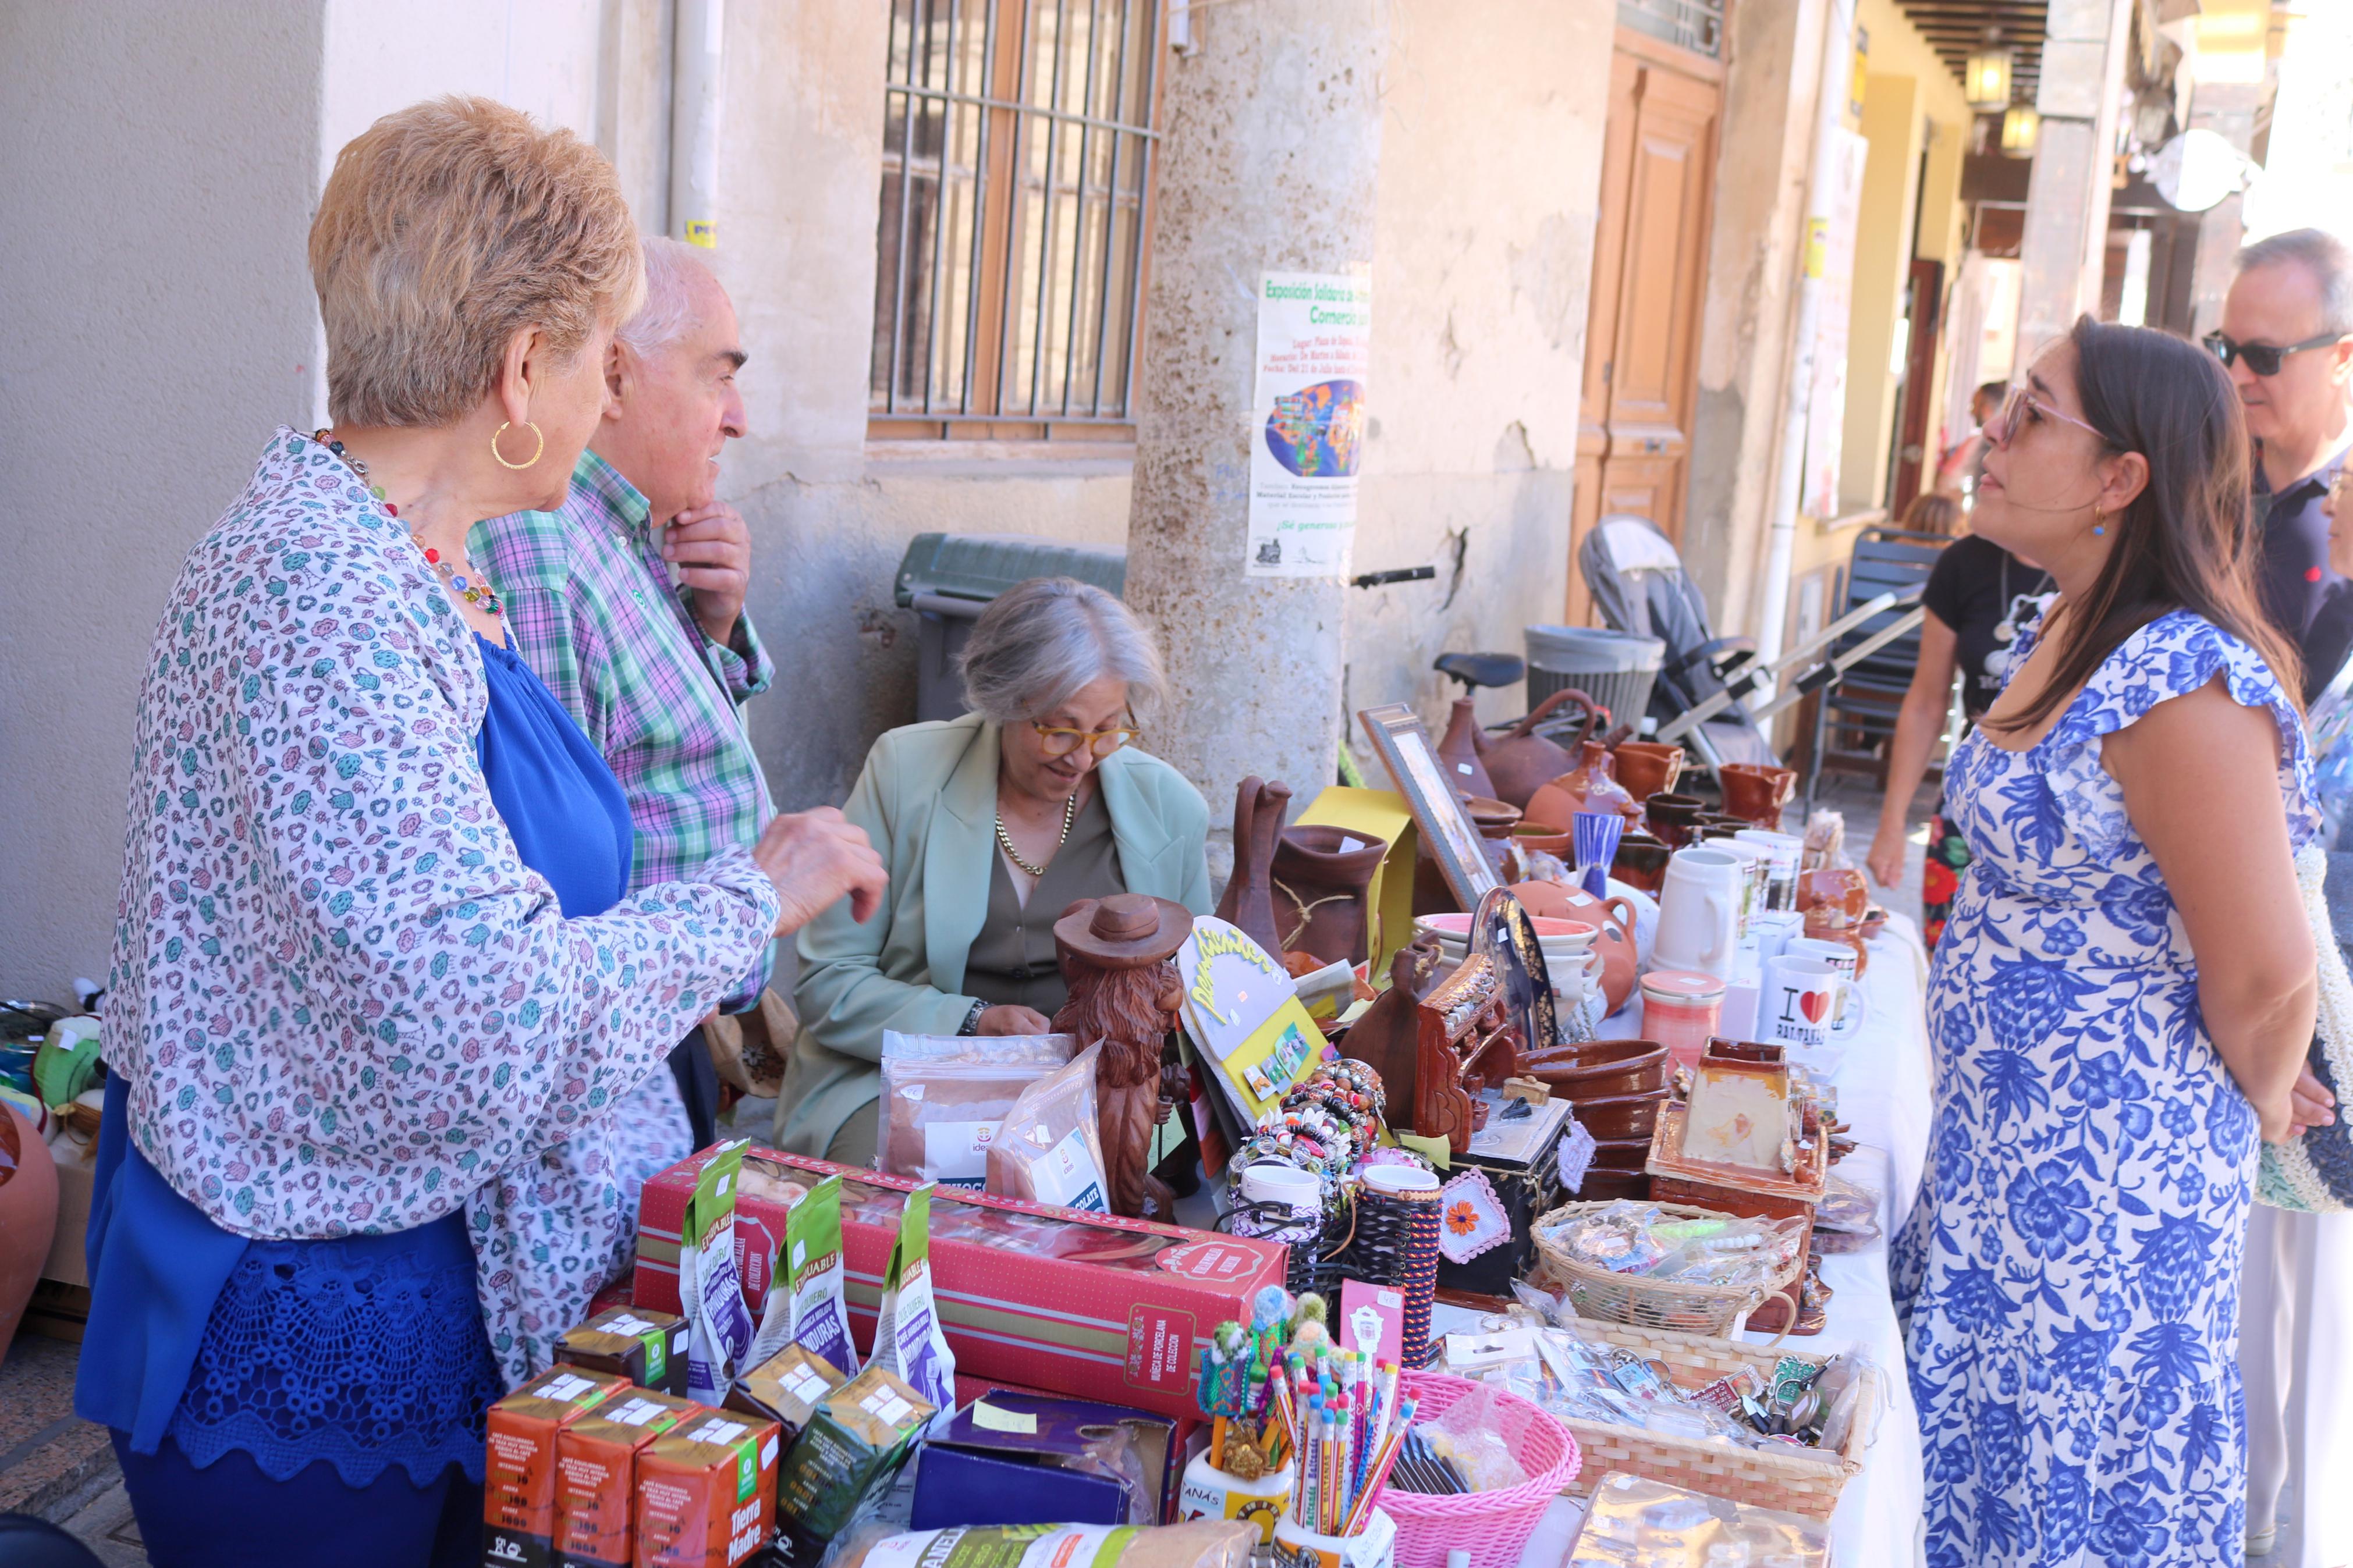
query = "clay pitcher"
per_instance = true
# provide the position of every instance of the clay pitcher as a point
(1319, 887)
(1458, 754)
(28, 1215)
(1755, 792)
(1523, 761)
(1647, 767)
(1588, 786)
(1248, 898)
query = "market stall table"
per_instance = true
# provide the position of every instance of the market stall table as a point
(1884, 1084)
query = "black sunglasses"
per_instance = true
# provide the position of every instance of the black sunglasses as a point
(2263, 358)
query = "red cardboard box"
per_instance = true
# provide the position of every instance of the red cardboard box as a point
(1087, 1305)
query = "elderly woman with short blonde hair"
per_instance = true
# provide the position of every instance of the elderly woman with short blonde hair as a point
(377, 1006)
(991, 826)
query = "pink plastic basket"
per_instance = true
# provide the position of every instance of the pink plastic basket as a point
(1492, 1526)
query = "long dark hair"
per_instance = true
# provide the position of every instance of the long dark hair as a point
(2188, 540)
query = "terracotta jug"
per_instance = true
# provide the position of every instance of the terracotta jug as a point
(1647, 768)
(28, 1215)
(1588, 786)
(1458, 754)
(1523, 761)
(1840, 888)
(1249, 898)
(1614, 919)
(1319, 890)
(1757, 793)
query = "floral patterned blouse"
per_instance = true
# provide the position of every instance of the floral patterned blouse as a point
(342, 1002)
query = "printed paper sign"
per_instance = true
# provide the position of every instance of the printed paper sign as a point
(1308, 421)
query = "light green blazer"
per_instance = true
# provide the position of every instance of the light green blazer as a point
(927, 798)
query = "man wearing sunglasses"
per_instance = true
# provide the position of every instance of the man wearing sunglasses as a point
(2286, 337)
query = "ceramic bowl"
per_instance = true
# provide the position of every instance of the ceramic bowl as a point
(1596, 1069)
(1602, 1186)
(1620, 1115)
(1642, 861)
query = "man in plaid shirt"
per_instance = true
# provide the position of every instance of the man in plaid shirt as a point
(656, 674)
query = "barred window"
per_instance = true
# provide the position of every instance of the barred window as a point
(1016, 181)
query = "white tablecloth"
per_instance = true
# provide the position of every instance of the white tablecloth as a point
(1883, 1079)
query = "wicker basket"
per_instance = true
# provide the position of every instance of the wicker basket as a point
(1493, 1527)
(1676, 1305)
(1758, 1476)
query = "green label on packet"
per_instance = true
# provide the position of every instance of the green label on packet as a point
(657, 1343)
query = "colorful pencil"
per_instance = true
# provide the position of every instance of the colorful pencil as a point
(1362, 1505)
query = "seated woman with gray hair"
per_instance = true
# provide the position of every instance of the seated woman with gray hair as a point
(990, 827)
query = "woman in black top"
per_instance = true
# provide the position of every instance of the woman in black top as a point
(1978, 595)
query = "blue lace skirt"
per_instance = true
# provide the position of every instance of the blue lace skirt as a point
(366, 1352)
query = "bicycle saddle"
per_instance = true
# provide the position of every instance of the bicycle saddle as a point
(1480, 668)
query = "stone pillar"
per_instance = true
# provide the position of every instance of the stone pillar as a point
(2229, 110)
(2066, 244)
(1271, 136)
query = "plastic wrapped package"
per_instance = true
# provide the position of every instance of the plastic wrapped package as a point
(1467, 1434)
(946, 1097)
(1636, 1523)
(1220, 1543)
(1644, 1239)
(1051, 1150)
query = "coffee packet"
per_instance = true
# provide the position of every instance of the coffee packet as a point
(854, 1445)
(596, 1475)
(805, 1304)
(519, 1466)
(946, 1096)
(709, 1286)
(908, 1338)
(787, 1389)
(707, 1492)
(1051, 1150)
(647, 1347)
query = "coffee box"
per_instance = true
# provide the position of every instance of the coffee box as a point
(519, 1476)
(707, 1492)
(787, 1388)
(1087, 1306)
(597, 1474)
(649, 1348)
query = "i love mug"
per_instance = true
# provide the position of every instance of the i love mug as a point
(1799, 1000)
(1840, 957)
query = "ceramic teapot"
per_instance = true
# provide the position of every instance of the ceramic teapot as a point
(1613, 918)
(1523, 762)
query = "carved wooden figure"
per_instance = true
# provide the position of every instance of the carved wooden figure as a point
(1125, 993)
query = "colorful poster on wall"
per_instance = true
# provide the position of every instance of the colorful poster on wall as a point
(1826, 408)
(1307, 436)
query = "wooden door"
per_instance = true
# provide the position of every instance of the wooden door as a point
(1641, 358)
(1927, 296)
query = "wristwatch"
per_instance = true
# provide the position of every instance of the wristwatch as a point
(971, 1025)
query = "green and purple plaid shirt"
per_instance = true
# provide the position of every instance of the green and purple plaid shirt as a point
(591, 607)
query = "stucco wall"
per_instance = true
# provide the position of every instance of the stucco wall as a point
(155, 324)
(1491, 166)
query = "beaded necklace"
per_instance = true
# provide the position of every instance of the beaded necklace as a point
(473, 590)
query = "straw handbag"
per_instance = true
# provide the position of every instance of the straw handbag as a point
(2314, 1173)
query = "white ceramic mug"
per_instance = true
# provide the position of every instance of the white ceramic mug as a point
(1699, 910)
(1757, 862)
(1775, 930)
(1843, 958)
(1798, 1001)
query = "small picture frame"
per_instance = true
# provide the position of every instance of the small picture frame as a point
(1397, 734)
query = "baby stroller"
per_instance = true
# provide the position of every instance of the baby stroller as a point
(1701, 698)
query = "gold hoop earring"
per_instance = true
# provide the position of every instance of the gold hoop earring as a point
(535, 451)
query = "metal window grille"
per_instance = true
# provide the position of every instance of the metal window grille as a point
(1016, 174)
(1694, 25)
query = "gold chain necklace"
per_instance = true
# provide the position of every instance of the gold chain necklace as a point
(1070, 814)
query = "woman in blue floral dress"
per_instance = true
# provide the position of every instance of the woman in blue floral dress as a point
(2124, 991)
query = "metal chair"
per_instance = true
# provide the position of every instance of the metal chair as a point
(1856, 719)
